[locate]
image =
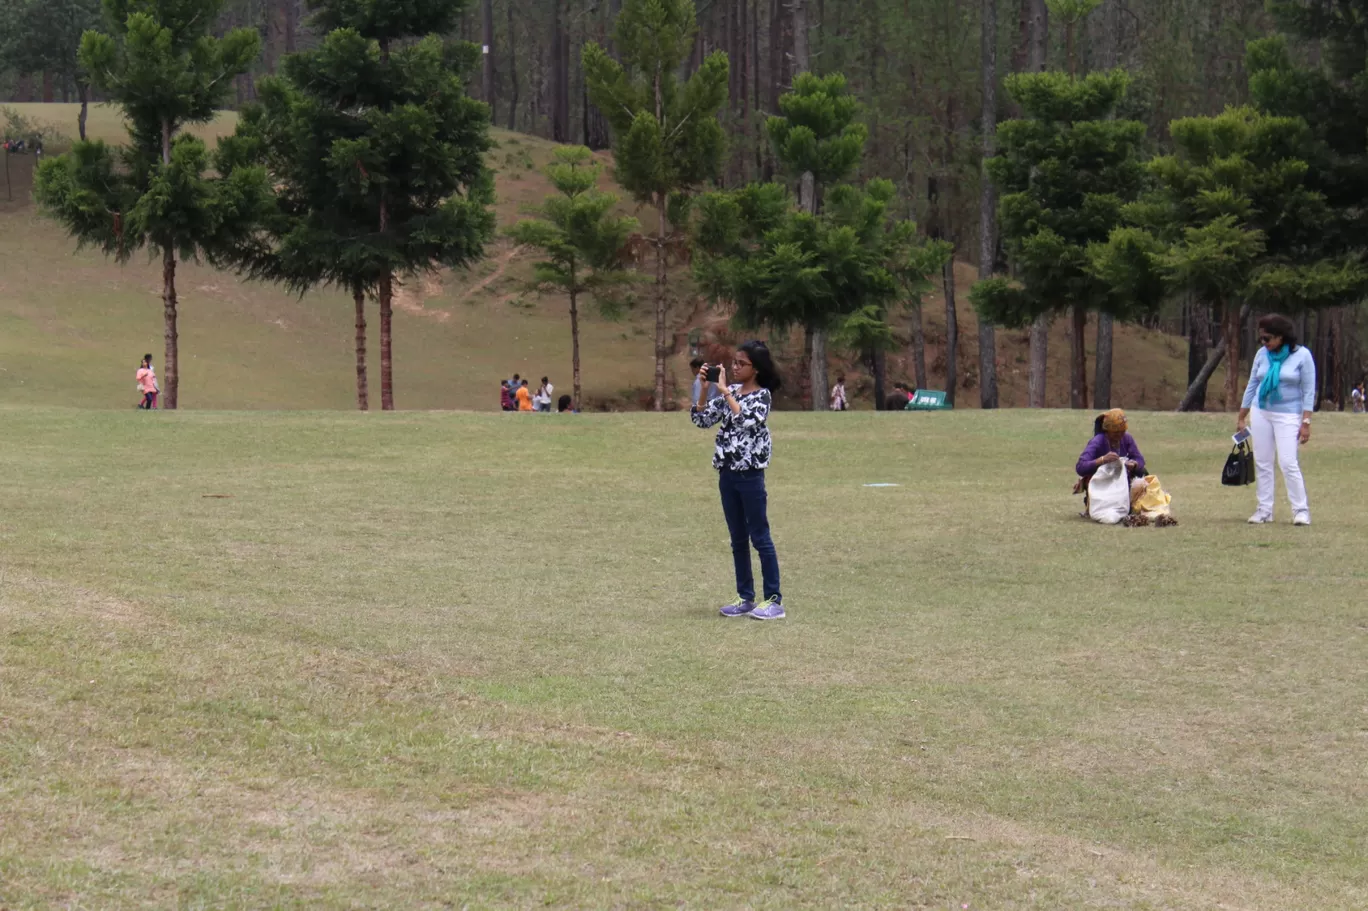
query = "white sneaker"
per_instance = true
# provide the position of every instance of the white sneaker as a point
(1302, 518)
(1260, 518)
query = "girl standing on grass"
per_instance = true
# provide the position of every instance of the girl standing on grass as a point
(741, 456)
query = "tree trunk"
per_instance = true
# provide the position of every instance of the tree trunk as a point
(987, 338)
(806, 394)
(170, 395)
(1078, 383)
(512, 73)
(1232, 317)
(1102, 378)
(1038, 54)
(81, 119)
(291, 26)
(662, 350)
(918, 346)
(362, 386)
(275, 34)
(1197, 390)
(575, 348)
(1040, 361)
(386, 295)
(560, 74)
(878, 367)
(487, 9)
(1199, 345)
(818, 366)
(799, 13)
(951, 332)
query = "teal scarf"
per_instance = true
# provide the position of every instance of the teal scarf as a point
(1269, 387)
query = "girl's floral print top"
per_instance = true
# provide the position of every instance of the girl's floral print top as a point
(743, 440)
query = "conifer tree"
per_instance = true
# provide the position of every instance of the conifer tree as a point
(1064, 171)
(580, 239)
(1233, 220)
(667, 140)
(162, 68)
(817, 141)
(377, 156)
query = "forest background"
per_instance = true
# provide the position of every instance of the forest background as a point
(917, 67)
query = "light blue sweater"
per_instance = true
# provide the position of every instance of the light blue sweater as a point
(1296, 387)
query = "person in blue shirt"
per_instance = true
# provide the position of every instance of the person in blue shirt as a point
(1281, 396)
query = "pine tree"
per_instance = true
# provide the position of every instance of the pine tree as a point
(45, 36)
(377, 156)
(1064, 172)
(666, 136)
(782, 267)
(818, 142)
(580, 239)
(1233, 220)
(162, 68)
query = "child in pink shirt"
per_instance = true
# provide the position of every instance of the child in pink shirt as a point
(147, 384)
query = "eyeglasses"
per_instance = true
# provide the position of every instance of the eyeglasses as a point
(1265, 339)
(741, 363)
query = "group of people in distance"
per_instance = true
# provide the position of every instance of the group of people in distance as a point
(515, 395)
(1278, 404)
(896, 401)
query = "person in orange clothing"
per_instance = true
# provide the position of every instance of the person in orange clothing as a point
(147, 384)
(524, 397)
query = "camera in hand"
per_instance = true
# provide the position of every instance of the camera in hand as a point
(713, 373)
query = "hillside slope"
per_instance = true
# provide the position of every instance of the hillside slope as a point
(73, 325)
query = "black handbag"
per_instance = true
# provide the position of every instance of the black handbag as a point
(1239, 467)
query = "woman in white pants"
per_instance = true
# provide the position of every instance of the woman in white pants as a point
(1282, 394)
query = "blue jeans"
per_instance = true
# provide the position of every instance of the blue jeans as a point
(745, 504)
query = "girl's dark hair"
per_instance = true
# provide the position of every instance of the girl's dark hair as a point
(1097, 425)
(1277, 324)
(564, 403)
(766, 374)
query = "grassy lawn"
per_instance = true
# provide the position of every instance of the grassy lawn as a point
(433, 660)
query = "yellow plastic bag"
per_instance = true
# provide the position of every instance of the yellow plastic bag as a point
(1154, 502)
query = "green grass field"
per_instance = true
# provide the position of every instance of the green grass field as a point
(309, 660)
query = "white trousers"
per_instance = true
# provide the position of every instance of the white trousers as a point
(1277, 433)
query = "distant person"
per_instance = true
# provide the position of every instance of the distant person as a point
(741, 455)
(147, 384)
(543, 399)
(897, 400)
(524, 396)
(1282, 396)
(1357, 397)
(506, 397)
(838, 395)
(694, 366)
(563, 406)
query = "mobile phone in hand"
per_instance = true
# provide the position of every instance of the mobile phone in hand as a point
(1242, 436)
(714, 374)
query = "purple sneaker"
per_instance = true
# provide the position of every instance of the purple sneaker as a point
(772, 609)
(738, 608)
